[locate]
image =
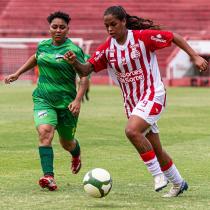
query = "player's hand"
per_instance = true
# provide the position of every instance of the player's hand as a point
(10, 78)
(70, 57)
(200, 63)
(74, 107)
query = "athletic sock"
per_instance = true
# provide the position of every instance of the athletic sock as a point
(151, 162)
(76, 151)
(46, 157)
(172, 173)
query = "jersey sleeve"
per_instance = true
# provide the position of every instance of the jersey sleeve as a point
(38, 50)
(39, 47)
(156, 39)
(98, 59)
(80, 55)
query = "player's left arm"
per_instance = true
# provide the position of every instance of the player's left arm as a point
(75, 105)
(199, 62)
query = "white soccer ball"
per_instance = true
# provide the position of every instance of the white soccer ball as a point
(97, 182)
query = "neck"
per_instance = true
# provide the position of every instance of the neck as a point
(121, 40)
(56, 43)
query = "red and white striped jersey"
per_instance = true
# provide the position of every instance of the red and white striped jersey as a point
(134, 64)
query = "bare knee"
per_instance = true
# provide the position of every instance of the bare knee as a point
(133, 133)
(46, 133)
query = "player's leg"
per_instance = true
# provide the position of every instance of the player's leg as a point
(162, 156)
(73, 147)
(45, 121)
(167, 166)
(135, 132)
(66, 129)
(138, 124)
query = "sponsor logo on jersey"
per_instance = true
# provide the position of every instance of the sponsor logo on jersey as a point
(42, 114)
(158, 38)
(59, 56)
(128, 77)
(135, 54)
(98, 54)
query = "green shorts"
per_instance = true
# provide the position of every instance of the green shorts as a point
(61, 119)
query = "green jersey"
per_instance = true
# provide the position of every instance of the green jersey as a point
(56, 83)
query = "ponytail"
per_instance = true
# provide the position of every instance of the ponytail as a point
(132, 22)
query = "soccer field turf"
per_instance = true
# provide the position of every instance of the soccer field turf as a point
(185, 134)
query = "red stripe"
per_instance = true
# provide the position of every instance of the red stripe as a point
(147, 156)
(152, 89)
(167, 166)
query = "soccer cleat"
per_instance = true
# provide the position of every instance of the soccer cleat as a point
(48, 181)
(160, 182)
(176, 190)
(75, 164)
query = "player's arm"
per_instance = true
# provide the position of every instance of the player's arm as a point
(29, 64)
(199, 62)
(83, 69)
(75, 105)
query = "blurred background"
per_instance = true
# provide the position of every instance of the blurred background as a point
(23, 24)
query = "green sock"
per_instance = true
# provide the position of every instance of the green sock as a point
(46, 157)
(76, 151)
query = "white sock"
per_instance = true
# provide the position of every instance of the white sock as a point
(153, 166)
(173, 175)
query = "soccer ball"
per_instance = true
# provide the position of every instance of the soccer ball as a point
(97, 182)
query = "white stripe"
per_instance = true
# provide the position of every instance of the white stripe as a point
(158, 84)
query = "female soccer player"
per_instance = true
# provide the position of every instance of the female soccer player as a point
(129, 54)
(56, 101)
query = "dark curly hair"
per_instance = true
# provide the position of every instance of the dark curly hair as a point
(132, 22)
(59, 14)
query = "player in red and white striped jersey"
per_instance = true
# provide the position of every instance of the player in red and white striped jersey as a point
(129, 55)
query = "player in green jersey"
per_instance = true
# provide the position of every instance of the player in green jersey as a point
(56, 101)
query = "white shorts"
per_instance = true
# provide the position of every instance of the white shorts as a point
(150, 111)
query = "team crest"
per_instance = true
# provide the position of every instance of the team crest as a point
(135, 54)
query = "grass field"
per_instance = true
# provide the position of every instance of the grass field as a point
(185, 134)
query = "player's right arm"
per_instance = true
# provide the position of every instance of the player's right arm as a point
(29, 64)
(96, 63)
(83, 69)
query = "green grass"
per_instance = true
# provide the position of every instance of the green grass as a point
(185, 134)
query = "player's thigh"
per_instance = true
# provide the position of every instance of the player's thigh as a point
(46, 116)
(67, 124)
